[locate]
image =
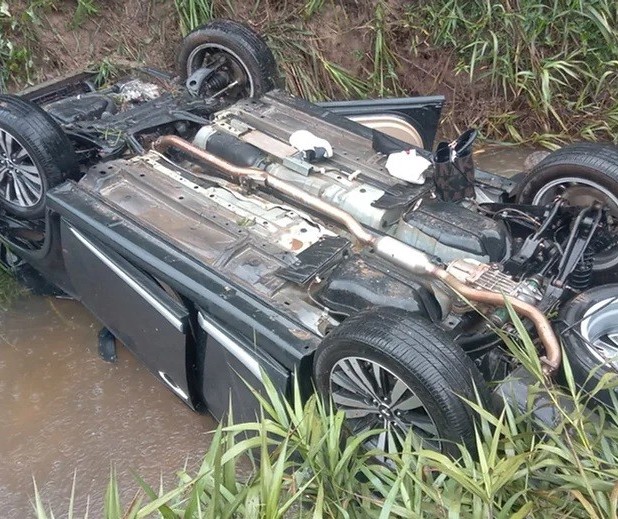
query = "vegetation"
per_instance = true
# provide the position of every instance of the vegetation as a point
(9, 289)
(554, 78)
(306, 465)
(558, 67)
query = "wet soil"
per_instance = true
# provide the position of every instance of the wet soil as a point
(65, 410)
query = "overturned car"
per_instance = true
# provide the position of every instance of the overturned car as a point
(223, 229)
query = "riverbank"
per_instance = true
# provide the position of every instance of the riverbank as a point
(554, 79)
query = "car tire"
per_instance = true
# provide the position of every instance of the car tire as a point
(584, 172)
(239, 42)
(386, 348)
(35, 155)
(586, 325)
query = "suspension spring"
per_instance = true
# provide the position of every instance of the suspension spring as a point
(217, 82)
(582, 273)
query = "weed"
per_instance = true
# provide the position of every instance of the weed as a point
(309, 462)
(9, 288)
(557, 68)
(84, 10)
(193, 13)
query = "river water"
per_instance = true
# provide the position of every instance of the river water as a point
(65, 411)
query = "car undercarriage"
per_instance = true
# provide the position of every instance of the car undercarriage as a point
(384, 291)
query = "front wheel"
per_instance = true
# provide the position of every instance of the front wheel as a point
(389, 369)
(582, 174)
(35, 155)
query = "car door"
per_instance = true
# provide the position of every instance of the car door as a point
(413, 120)
(133, 306)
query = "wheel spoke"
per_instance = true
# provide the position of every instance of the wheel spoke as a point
(410, 403)
(340, 399)
(353, 370)
(2, 143)
(8, 140)
(30, 172)
(378, 376)
(399, 388)
(31, 187)
(18, 192)
(354, 414)
(21, 155)
(383, 438)
(425, 424)
(7, 191)
(341, 379)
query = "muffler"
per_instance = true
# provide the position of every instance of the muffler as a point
(387, 247)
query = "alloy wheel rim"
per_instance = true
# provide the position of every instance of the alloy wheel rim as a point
(372, 397)
(21, 183)
(582, 192)
(599, 328)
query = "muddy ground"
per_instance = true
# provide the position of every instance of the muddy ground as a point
(148, 31)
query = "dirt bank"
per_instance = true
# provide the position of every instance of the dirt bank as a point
(341, 35)
(362, 48)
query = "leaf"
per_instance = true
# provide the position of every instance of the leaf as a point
(585, 503)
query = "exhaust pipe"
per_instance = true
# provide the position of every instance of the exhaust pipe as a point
(387, 247)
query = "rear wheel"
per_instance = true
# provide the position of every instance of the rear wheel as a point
(581, 174)
(390, 369)
(589, 325)
(243, 64)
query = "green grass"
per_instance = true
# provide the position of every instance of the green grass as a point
(9, 289)
(84, 10)
(307, 465)
(553, 79)
(556, 71)
(193, 13)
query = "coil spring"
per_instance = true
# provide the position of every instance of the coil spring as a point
(582, 273)
(217, 82)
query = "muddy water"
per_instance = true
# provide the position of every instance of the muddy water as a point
(501, 159)
(63, 409)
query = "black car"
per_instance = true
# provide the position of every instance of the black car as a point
(224, 230)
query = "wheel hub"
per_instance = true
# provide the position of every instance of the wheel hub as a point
(385, 411)
(20, 180)
(373, 397)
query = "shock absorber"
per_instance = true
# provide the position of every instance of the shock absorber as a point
(217, 82)
(582, 273)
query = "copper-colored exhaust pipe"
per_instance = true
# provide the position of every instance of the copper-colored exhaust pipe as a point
(553, 354)
(387, 247)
